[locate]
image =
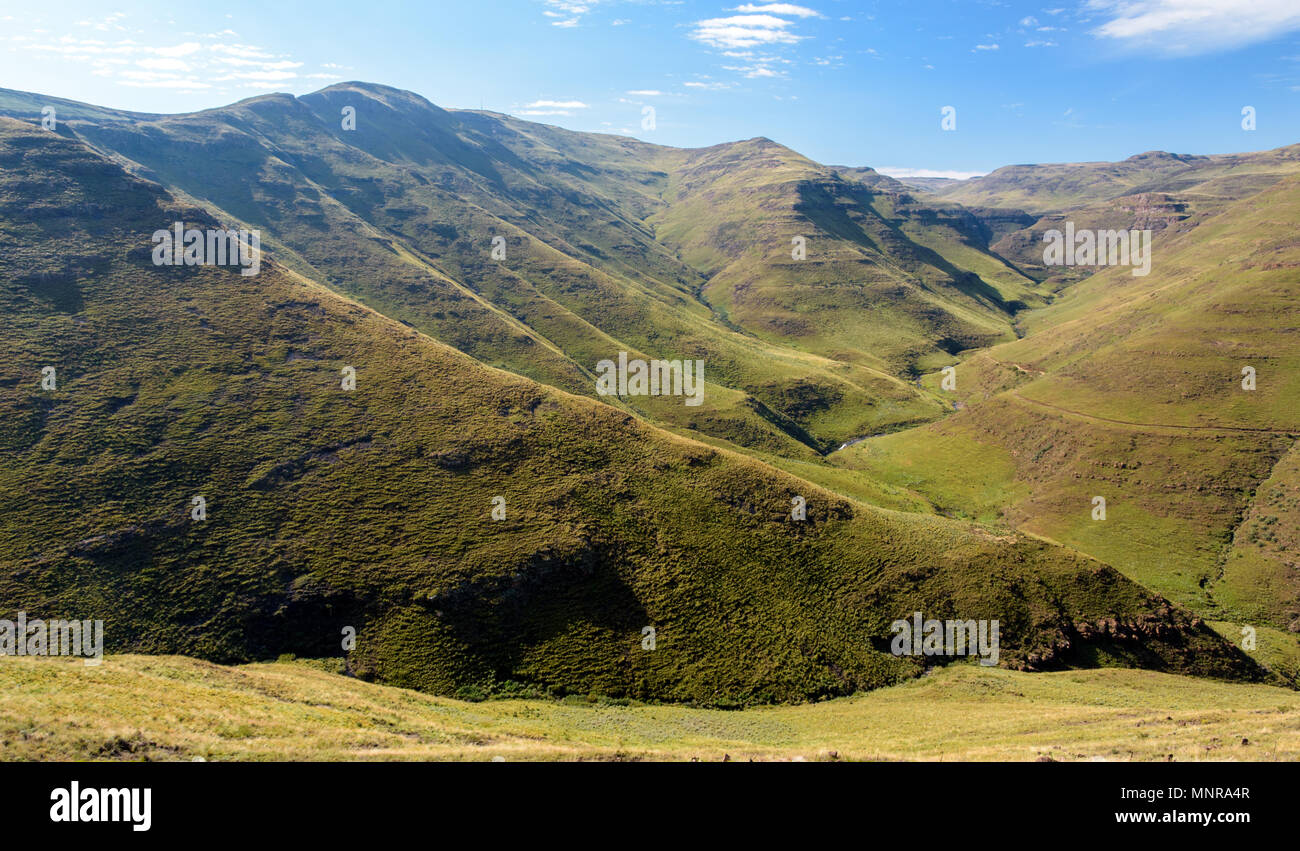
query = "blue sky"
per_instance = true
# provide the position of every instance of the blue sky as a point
(847, 83)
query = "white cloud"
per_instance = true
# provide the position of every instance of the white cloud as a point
(243, 51)
(164, 64)
(1195, 26)
(556, 104)
(257, 76)
(754, 71)
(184, 66)
(741, 31)
(170, 83)
(647, 93)
(986, 47)
(901, 171)
(570, 11)
(257, 63)
(780, 9)
(110, 22)
(708, 86)
(179, 50)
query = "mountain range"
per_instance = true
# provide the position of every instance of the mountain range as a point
(483, 519)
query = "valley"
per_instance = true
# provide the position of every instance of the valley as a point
(486, 279)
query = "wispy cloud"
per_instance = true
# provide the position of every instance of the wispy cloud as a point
(901, 171)
(105, 24)
(1195, 26)
(567, 12)
(758, 36)
(741, 31)
(754, 72)
(556, 104)
(215, 62)
(551, 107)
(780, 9)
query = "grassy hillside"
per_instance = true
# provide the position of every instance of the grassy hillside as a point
(401, 214)
(1131, 388)
(611, 245)
(371, 508)
(172, 708)
(870, 290)
(1165, 193)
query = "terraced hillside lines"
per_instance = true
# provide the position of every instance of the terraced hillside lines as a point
(371, 507)
(1173, 493)
(1289, 432)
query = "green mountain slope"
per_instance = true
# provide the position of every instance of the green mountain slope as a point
(610, 245)
(868, 289)
(1131, 388)
(1168, 194)
(329, 508)
(402, 212)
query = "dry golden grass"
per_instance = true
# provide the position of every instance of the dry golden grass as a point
(170, 707)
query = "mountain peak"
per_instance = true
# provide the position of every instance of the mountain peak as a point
(1158, 156)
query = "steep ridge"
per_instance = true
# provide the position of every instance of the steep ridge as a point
(863, 290)
(582, 278)
(401, 212)
(329, 509)
(965, 237)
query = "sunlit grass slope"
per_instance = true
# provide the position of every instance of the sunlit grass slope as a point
(1131, 388)
(403, 213)
(173, 708)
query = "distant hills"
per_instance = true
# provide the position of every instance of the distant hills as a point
(823, 302)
